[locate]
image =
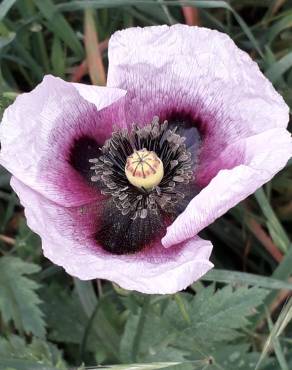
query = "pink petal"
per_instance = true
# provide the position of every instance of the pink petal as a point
(66, 241)
(100, 96)
(39, 129)
(198, 73)
(193, 69)
(264, 155)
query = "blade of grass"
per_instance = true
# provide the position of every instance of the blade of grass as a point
(140, 327)
(5, 7)
(278, 27)
(93, 55)
(283, 320)
(181, 305)
(141, 17)
(6, 39)
(166, 11)
(235, 277)
(16, 364)
(59, 25)
(81, 70)
(91, 306)
(276, 229)
(278, 351)
(36, 70)
(13, 201)
(279, 68)
(86, 295)
(213, 22)
(282, 272)
(42, 50)
(58, 58)
(264, 238)
(187, 365)
(213, 4)
(191, 15)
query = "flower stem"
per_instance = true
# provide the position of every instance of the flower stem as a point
(140, 328)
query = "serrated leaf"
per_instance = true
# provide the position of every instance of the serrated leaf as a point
(216, 317)
(152, 347)
(19, 301)
(14, 348)
(66, 318)
(233, 357)
(207, 320)
(64, 315)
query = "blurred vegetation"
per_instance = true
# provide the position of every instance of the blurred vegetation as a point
(238, 316)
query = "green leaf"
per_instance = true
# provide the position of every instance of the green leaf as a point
(283, 320)
(34, 67)
(187, 365)
(5, 7)
(283, 271)
(279, 352)
(152, 347)
(19, 301)
(276, 229)
(15, 351)
(59, 25)
(15, 364)
(93, 55)
(235, 277)
(279, 26)
(5, 40)
(279, 68)
(155, 13)
(101, 322)
(234, 357)
(64, 315)
(86, 295)
(215, 318)
(218, 317)
(27, 242)
(58, 58)
(75, 323)
(98, 4)
(4, 103)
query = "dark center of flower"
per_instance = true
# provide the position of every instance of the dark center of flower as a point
(146, 174)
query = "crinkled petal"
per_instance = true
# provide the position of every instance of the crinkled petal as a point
(198, 75)
(263, 156)
(100, 96)
(158, 270)
(193, 69)
(39, 130)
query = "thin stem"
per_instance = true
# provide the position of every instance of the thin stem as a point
(140, 328)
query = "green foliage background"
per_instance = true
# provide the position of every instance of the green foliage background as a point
(238, 316)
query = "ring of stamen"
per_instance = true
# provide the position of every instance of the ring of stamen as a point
(138, 211)
(135, 200)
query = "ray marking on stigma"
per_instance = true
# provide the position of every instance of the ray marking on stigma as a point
(139, 158)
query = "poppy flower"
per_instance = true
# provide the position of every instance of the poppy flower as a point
(119, 180)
